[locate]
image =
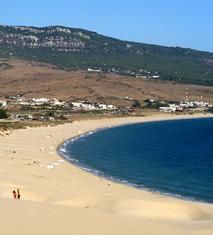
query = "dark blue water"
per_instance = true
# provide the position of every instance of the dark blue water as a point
(174, 157)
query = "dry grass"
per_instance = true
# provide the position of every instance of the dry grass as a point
(43, 80)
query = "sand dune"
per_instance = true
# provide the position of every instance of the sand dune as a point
(162, 210)
(64, 199)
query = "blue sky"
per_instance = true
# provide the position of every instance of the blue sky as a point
(185, 23)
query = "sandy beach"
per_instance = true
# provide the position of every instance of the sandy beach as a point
(59, 198)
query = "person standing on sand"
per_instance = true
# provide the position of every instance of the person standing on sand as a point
(14, 194)
(18, 194)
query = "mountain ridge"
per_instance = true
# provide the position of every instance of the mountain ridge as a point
(74, 48)
(107, 36)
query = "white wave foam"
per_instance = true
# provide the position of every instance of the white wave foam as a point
(63, 150)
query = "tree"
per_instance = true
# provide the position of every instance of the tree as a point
(3, 114)
(136, 104)
(210, 110)
(50, 114)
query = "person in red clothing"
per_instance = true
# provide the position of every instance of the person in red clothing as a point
(14, 194)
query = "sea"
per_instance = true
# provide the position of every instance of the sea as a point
(169, 157)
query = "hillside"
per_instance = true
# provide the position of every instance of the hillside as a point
(33, 79)
(74, 49)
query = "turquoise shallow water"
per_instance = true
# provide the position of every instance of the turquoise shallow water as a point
(171, 157)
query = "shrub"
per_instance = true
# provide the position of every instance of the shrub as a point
(210, 110)
(136, 104)
(3, 114)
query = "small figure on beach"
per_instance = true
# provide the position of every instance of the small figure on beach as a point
(18, 194)
(14, 194)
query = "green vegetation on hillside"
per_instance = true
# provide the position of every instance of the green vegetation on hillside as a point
(3, 114)
(73, 49)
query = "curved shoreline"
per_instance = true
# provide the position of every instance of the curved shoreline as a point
(65, 199)
(97, 173)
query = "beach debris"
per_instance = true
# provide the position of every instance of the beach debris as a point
(51, 152)
(34, 163)
(55, 163)
(48, 136)
(50, 167)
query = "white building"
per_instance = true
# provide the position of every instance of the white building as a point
(22, 117)
(40, 101)
(94, 70)
(155, 76)
(110, 106)
(3, 103)
(55, 102)
(88, 106)
(83, 106)
(171, 108)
